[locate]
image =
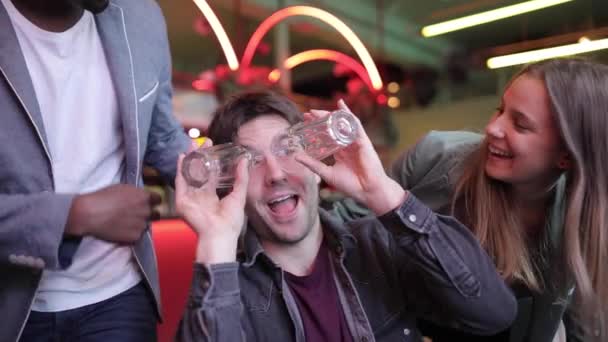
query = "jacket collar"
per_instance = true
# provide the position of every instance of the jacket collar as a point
(113, 35)
(339, 240)
(112, 30)
(14, 68)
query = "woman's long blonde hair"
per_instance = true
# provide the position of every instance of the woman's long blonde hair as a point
(578, 90)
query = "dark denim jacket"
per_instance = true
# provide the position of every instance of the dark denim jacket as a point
(390, 270)
(431, 170)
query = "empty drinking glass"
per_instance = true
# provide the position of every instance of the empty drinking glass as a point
(216, 164)
(319, 138)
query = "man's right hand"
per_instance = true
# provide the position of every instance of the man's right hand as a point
(117, 213)
(217, 222)
(358, 171)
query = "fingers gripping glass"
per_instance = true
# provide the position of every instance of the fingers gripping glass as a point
(318, 138)
(216, 164)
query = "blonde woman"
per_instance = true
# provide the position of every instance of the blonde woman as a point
(534, 191)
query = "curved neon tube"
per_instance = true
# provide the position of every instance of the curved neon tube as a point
(324, 16)
(220, 33)
(322, 54)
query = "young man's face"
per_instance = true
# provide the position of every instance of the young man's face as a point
(282, 200)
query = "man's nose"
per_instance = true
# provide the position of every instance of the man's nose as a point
(274, 170)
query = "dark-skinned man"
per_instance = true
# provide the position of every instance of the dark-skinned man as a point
(85, 97)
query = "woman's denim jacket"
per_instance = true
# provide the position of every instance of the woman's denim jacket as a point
(431, 169)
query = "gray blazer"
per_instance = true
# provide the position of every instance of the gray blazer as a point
(32, 215)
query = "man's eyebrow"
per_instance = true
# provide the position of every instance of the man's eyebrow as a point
(249, 147)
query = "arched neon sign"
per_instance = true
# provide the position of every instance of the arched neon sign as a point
(324, 16)
(322, 54)
(373, 76)
(220, 33)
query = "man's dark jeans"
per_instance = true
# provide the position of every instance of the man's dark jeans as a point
(129, 317)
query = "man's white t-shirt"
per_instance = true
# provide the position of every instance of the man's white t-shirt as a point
(79, 109)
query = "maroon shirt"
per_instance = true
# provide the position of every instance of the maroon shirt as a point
(317, 299)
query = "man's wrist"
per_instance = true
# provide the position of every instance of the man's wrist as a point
(388, 197)
(216, 251)
(75, 224)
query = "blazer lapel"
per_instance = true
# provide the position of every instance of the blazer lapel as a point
(112, 31)
(14, 69)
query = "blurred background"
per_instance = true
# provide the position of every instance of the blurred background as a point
(386, 58)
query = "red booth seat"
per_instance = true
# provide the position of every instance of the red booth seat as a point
(175, 245)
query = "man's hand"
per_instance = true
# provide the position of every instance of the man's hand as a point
(117, 213)
(358, 171)
(218, 223)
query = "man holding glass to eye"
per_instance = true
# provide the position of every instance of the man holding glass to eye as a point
(299, 275)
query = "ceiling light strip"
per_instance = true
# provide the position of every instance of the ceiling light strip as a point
(488, 16)
(537, 55)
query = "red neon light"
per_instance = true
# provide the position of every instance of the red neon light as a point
(203, 85)
(322, 54)
(330, 19)
(381, 99)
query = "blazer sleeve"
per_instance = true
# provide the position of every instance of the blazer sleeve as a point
(166, 138)
(32, 228)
